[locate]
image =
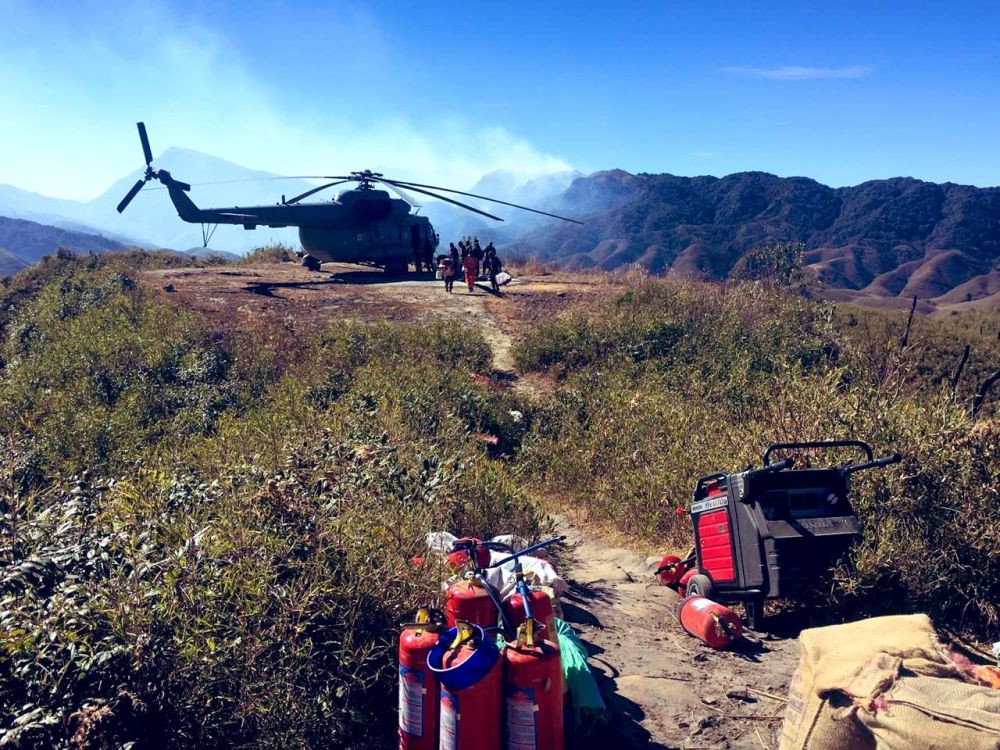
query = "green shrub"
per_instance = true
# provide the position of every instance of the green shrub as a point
(634, 424)
(232, 569)
(268, 254)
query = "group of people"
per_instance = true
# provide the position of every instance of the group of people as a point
(474, 261)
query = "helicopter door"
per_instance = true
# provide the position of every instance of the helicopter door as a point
(415, 239)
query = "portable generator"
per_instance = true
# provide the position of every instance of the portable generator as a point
(774, 532)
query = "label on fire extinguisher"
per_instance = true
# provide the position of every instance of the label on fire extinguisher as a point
(411, 701)
(521, 711)
(449, 721)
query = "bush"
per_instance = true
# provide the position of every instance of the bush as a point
(231, 568)
(268, 254)
(677, 380)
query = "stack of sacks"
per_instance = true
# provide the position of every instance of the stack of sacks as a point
(885, 683)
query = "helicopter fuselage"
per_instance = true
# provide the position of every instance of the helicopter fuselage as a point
(363, 225)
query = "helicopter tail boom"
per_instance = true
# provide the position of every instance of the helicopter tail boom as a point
(186, 208)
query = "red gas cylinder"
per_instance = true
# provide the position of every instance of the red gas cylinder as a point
(456, 560)
(716, 625)
(683, 582)
(418, 685)
(533, 693)
(541, 610)
(469, 600)
(670, 570)
(469, 668)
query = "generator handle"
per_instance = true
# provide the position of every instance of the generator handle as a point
(705, 480)
(820, 444)
(892, 458)
(771, 468)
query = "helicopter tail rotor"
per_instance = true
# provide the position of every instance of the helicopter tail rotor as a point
(146, 151)
(130, 195)
(150, 174)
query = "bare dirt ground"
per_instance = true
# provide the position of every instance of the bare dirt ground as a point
(665, 689)
(245, 296)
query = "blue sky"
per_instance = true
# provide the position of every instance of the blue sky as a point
(842, 92)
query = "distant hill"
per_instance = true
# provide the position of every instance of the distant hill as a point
(10, 263)
(884, 238)
(541, 192)
(151, 221)
(26, 242)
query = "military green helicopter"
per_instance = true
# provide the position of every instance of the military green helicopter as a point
(363, 225)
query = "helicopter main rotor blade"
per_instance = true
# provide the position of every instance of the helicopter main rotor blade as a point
(130, 195)
(449, 200)
(307, 193)
(146, 151)
(399, 192)
(414, 185)
(309, 177)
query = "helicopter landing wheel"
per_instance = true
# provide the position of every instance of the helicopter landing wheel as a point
(396, 267)
(311, 263)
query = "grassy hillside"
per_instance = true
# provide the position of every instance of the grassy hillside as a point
(205, 534)
(676, 380)
(206, 539)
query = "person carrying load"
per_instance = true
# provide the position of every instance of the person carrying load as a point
(447, 267)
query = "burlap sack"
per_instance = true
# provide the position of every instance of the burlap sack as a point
(847, 666)
(931, 713)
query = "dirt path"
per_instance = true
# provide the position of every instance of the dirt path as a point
(665, 689)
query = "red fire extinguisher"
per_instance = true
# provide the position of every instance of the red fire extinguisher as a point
(540, 607)
(418, 685)
(463, 549)
(715, 624)
(469, 600)
(683, 582)
(468, 665)
(533, 692)
(670, 570)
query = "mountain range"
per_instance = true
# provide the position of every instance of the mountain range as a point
(23, 243)
(151, 220)
(883, 240)
(880, 242)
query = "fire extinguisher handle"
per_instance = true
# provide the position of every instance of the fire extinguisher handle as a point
(528, 550)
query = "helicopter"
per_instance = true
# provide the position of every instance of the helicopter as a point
(363, 225)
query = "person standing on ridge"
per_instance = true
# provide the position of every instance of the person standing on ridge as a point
(493, 267)
(447, 266)
(471, 267)
(477, 253)
(456, 262)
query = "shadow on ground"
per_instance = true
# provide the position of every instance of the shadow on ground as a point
(624, 729)
(324, 281)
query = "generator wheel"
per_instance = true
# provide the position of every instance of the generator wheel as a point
(700, 585)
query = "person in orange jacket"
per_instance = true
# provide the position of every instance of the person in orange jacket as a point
(471, 267)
